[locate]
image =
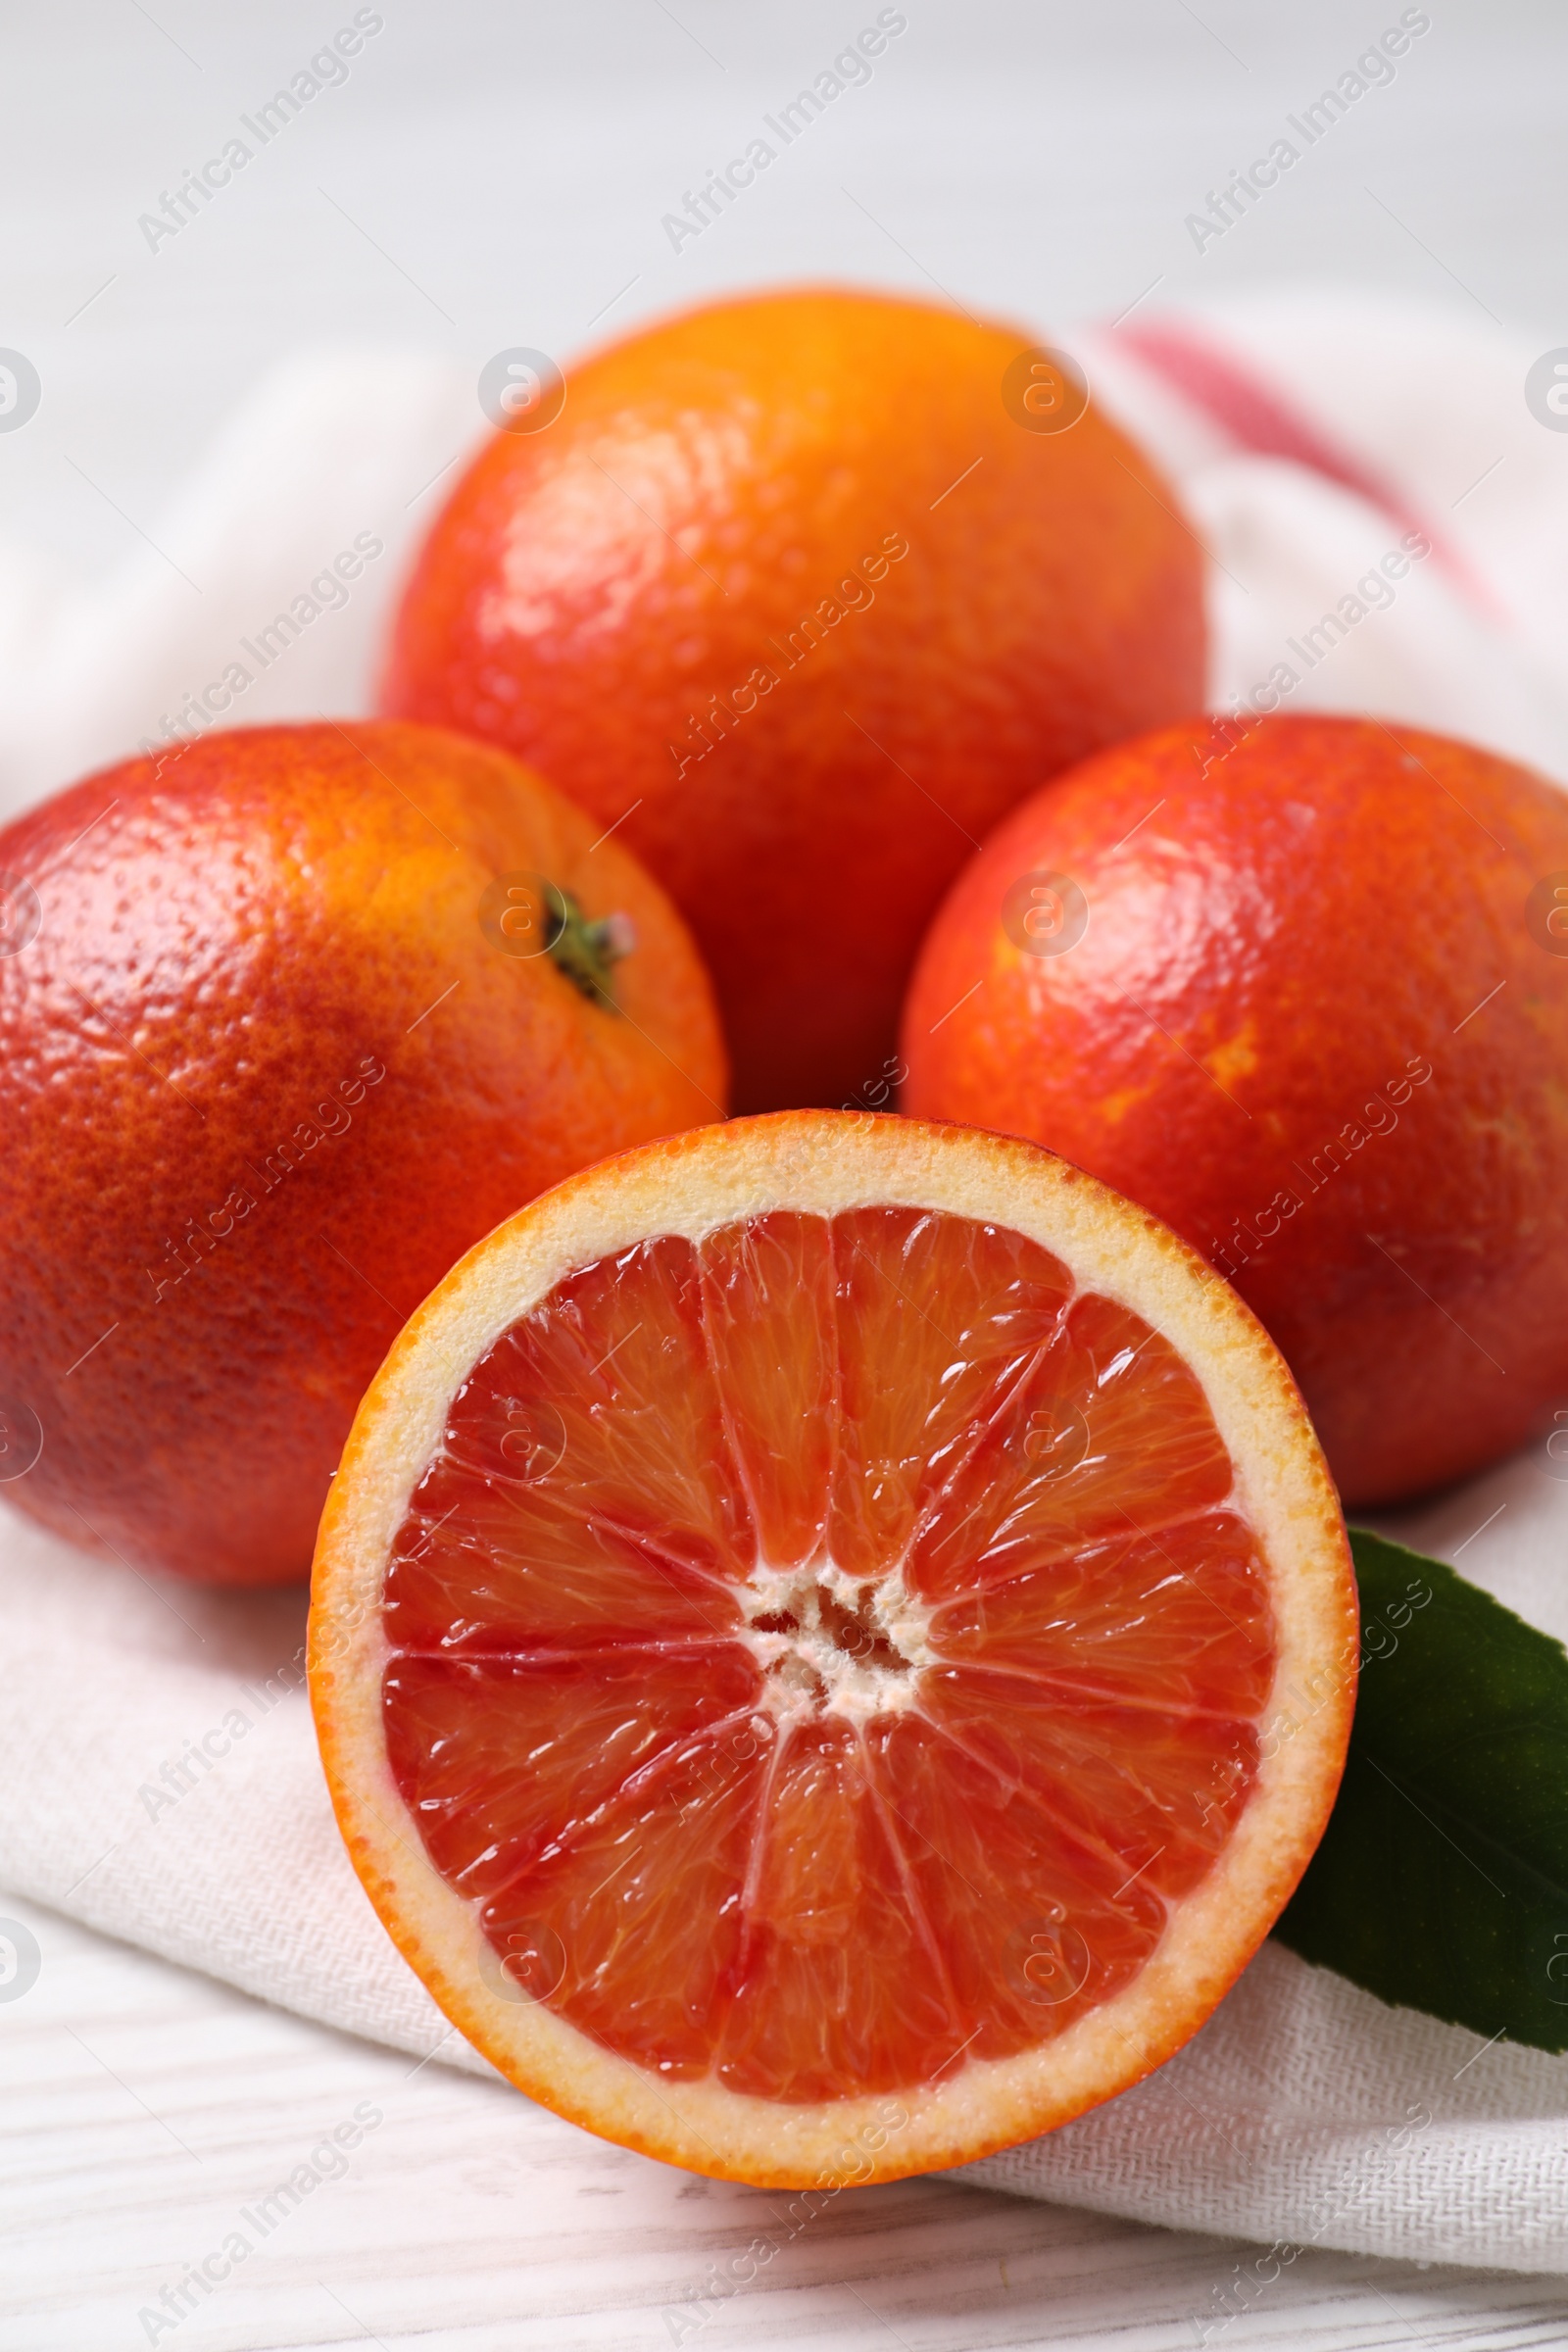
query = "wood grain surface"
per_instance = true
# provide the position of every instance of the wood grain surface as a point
(149, 2116)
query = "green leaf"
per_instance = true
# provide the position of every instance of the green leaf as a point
(1441, 1882)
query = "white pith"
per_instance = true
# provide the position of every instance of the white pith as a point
(807, 1672)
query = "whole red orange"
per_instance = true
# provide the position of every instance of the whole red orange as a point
(288, 1020)
(1302, 991)
(801, 593)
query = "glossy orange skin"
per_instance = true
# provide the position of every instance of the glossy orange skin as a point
(596, 593)
(1284, 943)
(252, 928)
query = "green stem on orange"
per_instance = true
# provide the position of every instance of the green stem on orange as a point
(587, 950)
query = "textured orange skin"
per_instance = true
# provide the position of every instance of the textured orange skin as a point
(590, 588)
(216, 954)
(1326, 906)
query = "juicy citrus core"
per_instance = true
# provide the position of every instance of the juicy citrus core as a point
(888, 1696)
(823, 1652)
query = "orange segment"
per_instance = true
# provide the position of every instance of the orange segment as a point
(780, 1402)
(502, 1760)
(817, 1593)
(640, 1900)
(968, 1310)
(808, 2016)
(1109, 1433)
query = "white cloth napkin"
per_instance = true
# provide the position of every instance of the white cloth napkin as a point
(161, 1775)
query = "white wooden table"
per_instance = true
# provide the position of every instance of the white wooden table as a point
(150, 2115)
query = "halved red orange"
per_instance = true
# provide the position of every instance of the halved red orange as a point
(832, 1643)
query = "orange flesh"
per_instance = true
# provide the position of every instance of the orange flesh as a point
(824, 1654)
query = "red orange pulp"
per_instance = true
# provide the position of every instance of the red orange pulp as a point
(796, 1638)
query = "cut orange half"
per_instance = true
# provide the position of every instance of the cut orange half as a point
(832, 1643)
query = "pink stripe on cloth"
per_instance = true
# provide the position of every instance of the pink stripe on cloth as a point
(1257, 420)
